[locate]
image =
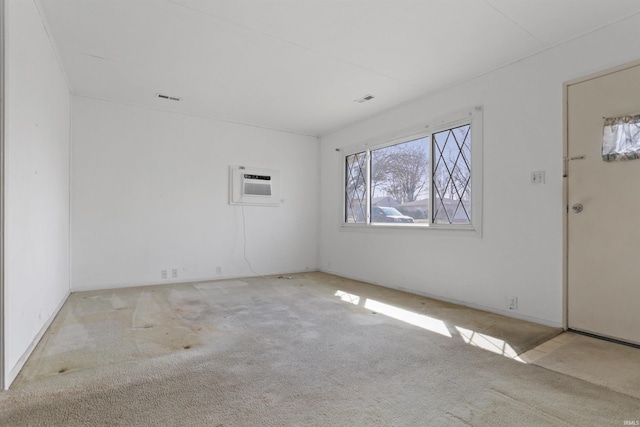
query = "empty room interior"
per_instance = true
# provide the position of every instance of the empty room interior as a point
(281, 212)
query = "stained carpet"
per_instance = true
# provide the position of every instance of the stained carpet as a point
(300, 350)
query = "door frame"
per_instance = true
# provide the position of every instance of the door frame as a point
(2, 182)
(565, 180)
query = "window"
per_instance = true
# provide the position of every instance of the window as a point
(356, 188)
(399, 182)
(452, 176)
(621, 138)
(422, 180)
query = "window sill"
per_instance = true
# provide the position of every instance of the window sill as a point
(444, 230)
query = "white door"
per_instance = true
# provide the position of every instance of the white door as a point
(604, 237)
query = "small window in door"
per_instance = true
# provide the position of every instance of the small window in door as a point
(621, 138)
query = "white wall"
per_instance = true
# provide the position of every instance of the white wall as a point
(520, 252)
(150, 192)
(36, 186)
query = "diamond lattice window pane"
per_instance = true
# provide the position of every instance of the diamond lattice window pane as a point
(356, 188)
(452, 176)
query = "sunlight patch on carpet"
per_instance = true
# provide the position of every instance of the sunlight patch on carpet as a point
(347, 297)
(419, 320)
(489, 343)
(470, 337)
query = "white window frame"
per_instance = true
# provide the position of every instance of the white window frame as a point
(471, 116)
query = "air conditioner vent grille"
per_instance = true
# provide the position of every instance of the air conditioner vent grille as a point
(256, 185)
(253, 186)
(251, 189)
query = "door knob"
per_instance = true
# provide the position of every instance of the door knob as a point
(577, 208)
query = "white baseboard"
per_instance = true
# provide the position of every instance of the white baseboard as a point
(502, 312)
(103, 287)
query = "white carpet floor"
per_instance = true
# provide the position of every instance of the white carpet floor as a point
(313, 350)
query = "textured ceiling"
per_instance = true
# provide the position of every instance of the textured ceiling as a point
(298, 65)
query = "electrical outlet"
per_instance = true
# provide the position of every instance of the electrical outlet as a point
(513, 303)
(163, 274)
(218, 270)
(174, 273)
(537, 177)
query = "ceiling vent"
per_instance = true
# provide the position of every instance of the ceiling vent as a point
(364, 99)
(170, 98)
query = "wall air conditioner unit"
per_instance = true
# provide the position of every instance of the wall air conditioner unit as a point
(253, 186)
(256, 185)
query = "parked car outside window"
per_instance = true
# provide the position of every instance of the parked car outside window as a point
(388, 214)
